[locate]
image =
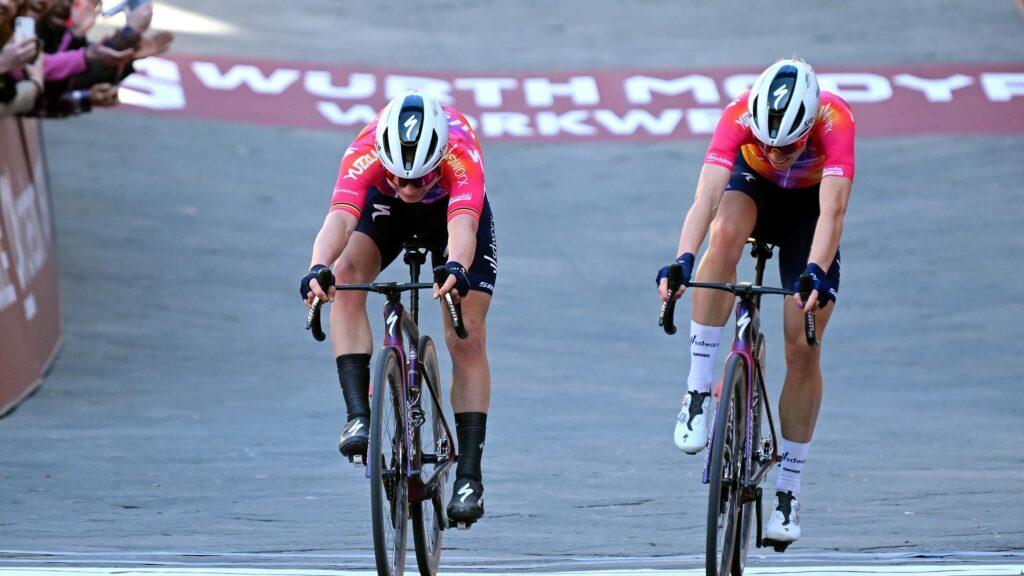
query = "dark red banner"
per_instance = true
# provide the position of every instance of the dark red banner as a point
(29, 291)
(594, 105)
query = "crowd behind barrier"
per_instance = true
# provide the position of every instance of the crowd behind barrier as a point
(49, 67)
(30, 326)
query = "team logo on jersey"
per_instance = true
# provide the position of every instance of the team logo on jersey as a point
(380, 210)
(360, 165)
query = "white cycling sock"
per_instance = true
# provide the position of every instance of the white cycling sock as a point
(794, 455)
(703, 345)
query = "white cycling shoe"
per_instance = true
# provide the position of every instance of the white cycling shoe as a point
(784, 525)
(693, 424)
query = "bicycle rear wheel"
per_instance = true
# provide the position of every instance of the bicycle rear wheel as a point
(388, 484)
(428, 516)
(726, 453)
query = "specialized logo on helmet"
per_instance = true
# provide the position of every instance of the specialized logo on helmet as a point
(779, 94)
(410, 125)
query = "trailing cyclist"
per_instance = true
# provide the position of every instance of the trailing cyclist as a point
(779, 168)
(415, 170)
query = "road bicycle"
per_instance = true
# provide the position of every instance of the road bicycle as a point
(738, 456)
(412, 447)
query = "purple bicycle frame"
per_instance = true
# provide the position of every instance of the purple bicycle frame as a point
(748, 327)
(398, 321)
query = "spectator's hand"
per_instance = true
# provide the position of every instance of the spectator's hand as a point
(140, 18)
(35, 70)
(154, 45)
(103, 95)
(98, 53)
(17, 54)
(83, 16)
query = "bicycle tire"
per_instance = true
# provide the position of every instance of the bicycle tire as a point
(428, 515)
(723, 506)
(389, 495)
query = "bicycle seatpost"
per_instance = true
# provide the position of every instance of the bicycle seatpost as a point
(668, 308)
(806, 287)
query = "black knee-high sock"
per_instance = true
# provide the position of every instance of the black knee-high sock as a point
(471, 428)
(354, 375)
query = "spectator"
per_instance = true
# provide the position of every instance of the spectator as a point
(21, 64)
(80, 74)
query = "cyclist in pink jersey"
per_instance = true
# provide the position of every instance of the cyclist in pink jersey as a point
(415, 171)
(779, 168)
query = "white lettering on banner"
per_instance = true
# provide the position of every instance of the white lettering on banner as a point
(440, 89)
(737, 84)
(22, 221)
(541, 92)
(486, 91)
(279, 80)
(360, 85)
(663, 124)
(156, 85)
(358, 115)
(8, 294)
(857, 87)
(498, 124)
(640, 89)
(1001, 87)
(934, 90)
(703, 120)
(574, 122)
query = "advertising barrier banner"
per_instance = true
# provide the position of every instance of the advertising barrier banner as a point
(30, 325)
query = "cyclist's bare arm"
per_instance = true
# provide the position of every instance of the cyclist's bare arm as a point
(462, 230)
(330, 243)
(834, 197)
(710, 188)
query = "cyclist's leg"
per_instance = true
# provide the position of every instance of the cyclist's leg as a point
(733, 224)
(736, 218)
(371, 247)
(350, 326)
(471, 374)
(800, 400)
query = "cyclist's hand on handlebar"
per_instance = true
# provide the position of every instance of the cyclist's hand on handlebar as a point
(822, 294)
(685, 262)
(309, 288)
(456, 284)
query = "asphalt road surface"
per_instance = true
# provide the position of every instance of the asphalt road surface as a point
(190, 413)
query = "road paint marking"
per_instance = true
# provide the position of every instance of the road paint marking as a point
(926, 569)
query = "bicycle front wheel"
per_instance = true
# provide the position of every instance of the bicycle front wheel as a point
(726, 451)
(388, 484)
(428, 515)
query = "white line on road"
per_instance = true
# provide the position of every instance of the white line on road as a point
(924, 570)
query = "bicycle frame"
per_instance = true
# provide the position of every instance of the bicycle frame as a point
(748, 335)
(400, 324)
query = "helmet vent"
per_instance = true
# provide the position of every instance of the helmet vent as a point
(387, 146)
(799, 117)
(433, 145)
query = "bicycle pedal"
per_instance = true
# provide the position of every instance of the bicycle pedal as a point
(460, 525)
(359, 460)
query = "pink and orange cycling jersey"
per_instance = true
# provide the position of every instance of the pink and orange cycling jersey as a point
(461, 181)
(829, 149)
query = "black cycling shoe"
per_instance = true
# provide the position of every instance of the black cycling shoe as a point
(354, 440)
(467, 505)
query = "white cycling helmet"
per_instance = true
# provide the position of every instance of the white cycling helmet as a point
(783, 103)
(412, 135)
